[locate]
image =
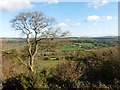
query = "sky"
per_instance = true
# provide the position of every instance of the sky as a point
(91, 18)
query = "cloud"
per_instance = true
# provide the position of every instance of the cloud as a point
(65, 24)
(97, 5)
(98, 18)
(106, 30)
(53, 1)
(106, 17)
(115, 17)
(93, 18)
(62, 25)
(95, 24)
(49, 1)
(10, 5)
(78, 24)
(67, 20)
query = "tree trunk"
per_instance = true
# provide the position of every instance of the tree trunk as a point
(31, 69)
(32, 64)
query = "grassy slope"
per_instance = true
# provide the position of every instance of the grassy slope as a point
(75, 46)
(48, 64)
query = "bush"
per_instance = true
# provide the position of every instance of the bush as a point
(103, 71)
(99, 69)
(12, 53)
(25, 81)
(10, 64)
(66, 75)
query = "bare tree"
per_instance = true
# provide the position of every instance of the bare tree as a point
(35, 25)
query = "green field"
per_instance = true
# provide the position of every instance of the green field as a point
(76, 46)
(48, 64)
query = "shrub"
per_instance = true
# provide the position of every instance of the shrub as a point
(25, 81)
(104, 71)
(104, 76)
(10, 64)
(66, 75)
(12, 53)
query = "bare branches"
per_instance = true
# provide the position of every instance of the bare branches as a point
(38, 25)
(31, 23)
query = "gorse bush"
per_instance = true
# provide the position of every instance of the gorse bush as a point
(25, 81)
(12, 53)
(10, 64)
(103, 74)
(103, 67)
(104, 71)
(66, 75)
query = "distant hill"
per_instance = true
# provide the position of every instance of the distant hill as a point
(113, 38)
(110, 38)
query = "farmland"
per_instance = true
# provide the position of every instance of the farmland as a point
(48, 54)
(71, 44)
(61, 55)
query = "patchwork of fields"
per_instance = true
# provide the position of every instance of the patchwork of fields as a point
(58, 58)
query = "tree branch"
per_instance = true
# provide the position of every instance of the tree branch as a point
(23, 62)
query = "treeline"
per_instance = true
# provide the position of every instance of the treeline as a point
(102, 43)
